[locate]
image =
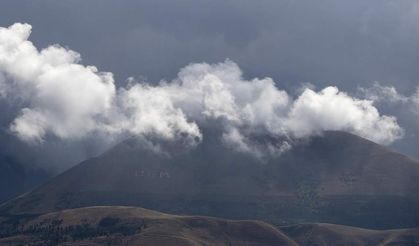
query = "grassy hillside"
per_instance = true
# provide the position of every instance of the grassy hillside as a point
(137, 226)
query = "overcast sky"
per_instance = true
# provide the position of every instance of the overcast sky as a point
(364, 47)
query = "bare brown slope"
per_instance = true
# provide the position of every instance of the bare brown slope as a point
(336, 178)
(136, 226)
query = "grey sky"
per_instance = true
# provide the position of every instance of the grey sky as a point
(324, 42)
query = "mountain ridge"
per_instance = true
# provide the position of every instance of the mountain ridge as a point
(335, 178)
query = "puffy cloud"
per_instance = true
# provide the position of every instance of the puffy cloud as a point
(65, 99)
(61, 96)
(68, 100)
(218, 95)
(255, 107)
(146, 110)
(330, 109)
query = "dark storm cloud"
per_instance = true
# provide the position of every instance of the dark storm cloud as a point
(325, 42)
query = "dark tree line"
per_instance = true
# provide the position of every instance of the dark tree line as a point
(54, 232)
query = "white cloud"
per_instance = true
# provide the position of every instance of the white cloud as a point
(68, 100)
(65, 99)
(147, 110)
(389, 95)
(62, 97)
(330, 109)
(3, 86)
(380, 93)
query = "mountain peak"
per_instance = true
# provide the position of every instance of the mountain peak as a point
(334, 171)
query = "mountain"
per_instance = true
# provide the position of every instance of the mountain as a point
(335, 178)
(16, 178)
(137, 226)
